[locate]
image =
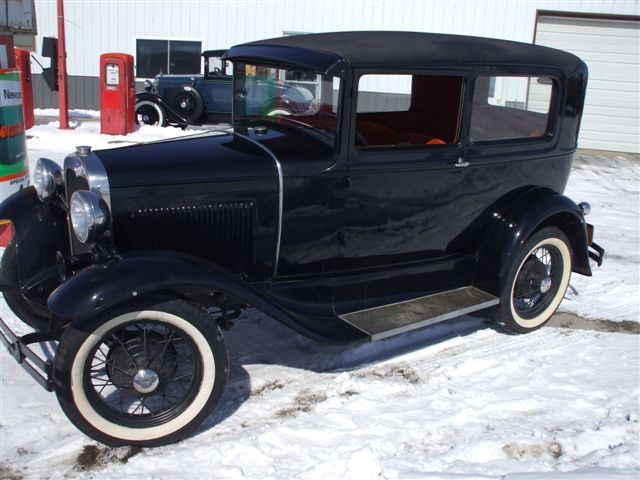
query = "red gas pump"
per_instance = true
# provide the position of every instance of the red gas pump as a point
(117, 94)
(23, 63)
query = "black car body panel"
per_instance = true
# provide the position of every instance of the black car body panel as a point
(220, 203)
(41, 231)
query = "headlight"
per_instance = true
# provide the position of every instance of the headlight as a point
(89, 215)
(47, 178)
(148, 85)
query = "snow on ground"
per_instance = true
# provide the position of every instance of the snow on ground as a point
(47, 113)
(458, 400)
(611, 184)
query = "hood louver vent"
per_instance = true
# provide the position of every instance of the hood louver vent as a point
(221, 232)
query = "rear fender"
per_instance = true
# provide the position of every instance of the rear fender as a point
(101, 287)
(535, 209)
(40, 232)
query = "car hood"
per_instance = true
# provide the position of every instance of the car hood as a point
(211, 156)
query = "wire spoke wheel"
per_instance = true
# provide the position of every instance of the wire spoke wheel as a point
(537, 281)
(142, 372)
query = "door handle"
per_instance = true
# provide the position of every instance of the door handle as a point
(461, 163)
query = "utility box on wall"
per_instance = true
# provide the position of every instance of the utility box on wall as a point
(117, 94)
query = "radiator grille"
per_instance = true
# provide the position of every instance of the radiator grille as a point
(221, 232)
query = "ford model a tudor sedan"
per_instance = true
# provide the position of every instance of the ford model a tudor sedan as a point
(425, 183)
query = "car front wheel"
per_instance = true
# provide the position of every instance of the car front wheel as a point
(147, 373)
(150, 113)
(537, 281)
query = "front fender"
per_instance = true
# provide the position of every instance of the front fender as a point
(100, 287)
(535, 209)
(40, 232)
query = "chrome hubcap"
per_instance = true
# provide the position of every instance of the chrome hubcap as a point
(146, 381)
(545, 285)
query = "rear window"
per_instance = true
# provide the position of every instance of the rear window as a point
(510, 107)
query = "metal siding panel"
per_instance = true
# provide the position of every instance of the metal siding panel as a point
(83, 93)
(97, 27)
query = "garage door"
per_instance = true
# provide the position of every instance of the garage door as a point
(611, 50)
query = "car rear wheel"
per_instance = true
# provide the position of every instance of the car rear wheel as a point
(150, 113)
(537, 282)
(147, 373)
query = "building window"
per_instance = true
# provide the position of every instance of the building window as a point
(506, 108)
(167, 56)
(408, 110)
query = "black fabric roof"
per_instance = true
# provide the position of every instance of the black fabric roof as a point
(330, 52)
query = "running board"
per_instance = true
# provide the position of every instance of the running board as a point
(388, 320)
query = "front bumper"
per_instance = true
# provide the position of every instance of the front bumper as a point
(596, 252)
(19, 347)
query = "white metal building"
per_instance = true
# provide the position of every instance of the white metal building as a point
(606, 34)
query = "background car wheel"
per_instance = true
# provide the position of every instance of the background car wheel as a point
(150, 113)
(147, 373)
(32, 315)
(537, 281)
(188, 103)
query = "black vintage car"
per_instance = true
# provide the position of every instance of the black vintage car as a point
(426, 183)
(182, 100)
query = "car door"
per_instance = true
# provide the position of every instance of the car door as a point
(411, 195)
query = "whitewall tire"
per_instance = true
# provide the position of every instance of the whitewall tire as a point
(150, 113)
(143, 374)
(536, 283)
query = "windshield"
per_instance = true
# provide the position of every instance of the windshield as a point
(294, 98)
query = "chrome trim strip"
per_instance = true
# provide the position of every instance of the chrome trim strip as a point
(90, 167)
(276, 256)
(86, 164)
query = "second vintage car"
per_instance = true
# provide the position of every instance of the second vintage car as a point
(182, 100)
(422, 181)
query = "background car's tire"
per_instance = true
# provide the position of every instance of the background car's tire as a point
(146, 373)
(150, 113)
(536, 283)
(279, 111)
(35, 317)
(187, 101)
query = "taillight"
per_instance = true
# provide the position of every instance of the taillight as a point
(7, 232)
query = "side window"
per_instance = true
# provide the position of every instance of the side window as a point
(167, 56)
(408, 110)
(510, 107)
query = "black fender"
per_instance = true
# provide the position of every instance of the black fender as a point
(172, 115)
(535, 209)
(40, 232)
(100, 287)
